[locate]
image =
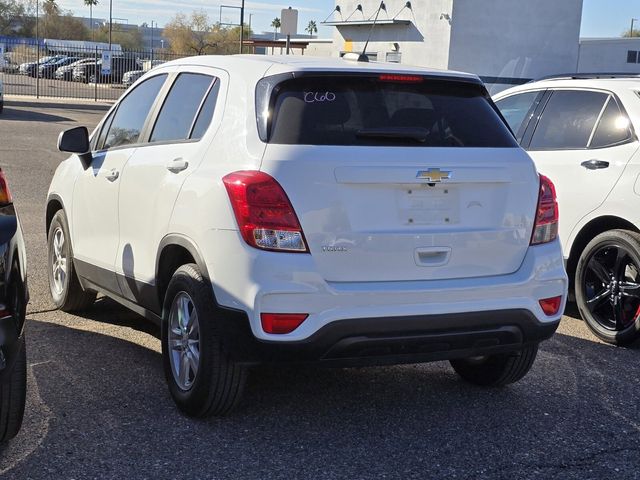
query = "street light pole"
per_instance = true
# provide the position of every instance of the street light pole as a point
(110, 21)
(241, 25)
(631, 31)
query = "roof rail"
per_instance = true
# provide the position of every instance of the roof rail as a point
(587, 76)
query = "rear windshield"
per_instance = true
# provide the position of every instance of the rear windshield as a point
(385, 110)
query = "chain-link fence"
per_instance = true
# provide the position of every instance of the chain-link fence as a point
(77, 70)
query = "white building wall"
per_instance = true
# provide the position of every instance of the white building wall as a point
(515, 39)
(608, 55)
(424, 42)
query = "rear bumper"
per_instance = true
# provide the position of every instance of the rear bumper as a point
(394, 340)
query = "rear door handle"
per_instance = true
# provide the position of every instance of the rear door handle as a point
(177, 165)
(113, 175)
(595, 164)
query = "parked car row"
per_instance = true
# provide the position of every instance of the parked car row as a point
(124, 69)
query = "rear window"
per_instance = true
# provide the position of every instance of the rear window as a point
(395, 111)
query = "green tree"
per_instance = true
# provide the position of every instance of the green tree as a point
(276, 24)
(311, 28)
(11, 12)
(91, 4)
(190, 34)
(636, 32)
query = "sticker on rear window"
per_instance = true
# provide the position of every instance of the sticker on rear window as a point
(317, 97)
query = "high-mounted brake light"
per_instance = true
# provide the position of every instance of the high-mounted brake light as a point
(389, 77)
(5, 193)
(545, 229)
(280, 323)
(264, 213)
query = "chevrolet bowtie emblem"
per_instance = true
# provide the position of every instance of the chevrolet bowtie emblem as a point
(433, 175)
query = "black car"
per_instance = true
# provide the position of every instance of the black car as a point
(48, 70)
(13, 304)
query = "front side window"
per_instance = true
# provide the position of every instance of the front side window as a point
(568, 120)
(132, 112)
(179, 111)
(518, 109)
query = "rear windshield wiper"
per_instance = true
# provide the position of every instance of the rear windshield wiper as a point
(418, 134)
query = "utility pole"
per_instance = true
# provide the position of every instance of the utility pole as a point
(241, 25)
(37, 51)
(110, 21)
(631, 31)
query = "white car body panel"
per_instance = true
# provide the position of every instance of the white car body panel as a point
(490, 265)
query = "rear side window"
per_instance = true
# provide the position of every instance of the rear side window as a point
(385, 110)
(518, 109)
(614, 127)
(568, 120)
(206, 113)
(132, 113)
(179, 111)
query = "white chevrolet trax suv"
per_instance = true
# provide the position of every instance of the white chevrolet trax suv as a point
(283, 209)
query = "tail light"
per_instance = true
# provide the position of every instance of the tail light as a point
(550, 306)
(281, 323)
(264, 213)
(5, 193)
(546, 227)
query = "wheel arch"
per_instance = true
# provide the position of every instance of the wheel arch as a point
(588, 232)
(54, 204)
(174, 251)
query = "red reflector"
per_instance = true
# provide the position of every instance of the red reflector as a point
(550, 306)
(5, 193)
(386, 77)
(281, 322)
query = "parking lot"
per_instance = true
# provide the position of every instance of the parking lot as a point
(24, 85)
(98, 406)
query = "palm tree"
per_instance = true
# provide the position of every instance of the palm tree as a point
(90, 4)
(276, 25)
(311, 28)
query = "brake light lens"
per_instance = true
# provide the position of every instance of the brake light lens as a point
(5, 193)
(550, 306)
(280, 323)
(545, 229)
(264, 213)
(386, 77)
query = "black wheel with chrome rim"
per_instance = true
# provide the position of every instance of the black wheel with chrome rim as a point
(608, 286)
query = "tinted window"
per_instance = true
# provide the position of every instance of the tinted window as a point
(374, 111)
(516, 108)
(103, 133)
(568, 120)
(614, 127)
(206, 113)
(132, 113)
(632, 56)
(181, 107)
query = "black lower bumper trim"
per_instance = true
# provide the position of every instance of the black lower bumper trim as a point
(390, 340)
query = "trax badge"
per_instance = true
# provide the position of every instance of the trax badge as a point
(433, 175)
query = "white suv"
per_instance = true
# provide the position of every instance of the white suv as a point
(581, 132)
(266, 209)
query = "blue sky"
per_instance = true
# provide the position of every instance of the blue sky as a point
(601, 18)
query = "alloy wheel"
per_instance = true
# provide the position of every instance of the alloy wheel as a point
(184, 340)
(611, 287)
(58, 261)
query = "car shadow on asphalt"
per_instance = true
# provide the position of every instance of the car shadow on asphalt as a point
(106, 395)
(108, 311)
(20, 115)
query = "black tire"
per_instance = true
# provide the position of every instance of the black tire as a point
(496, 370)
(13, 395)
(71, 297)
(217, 386)
(586, 282)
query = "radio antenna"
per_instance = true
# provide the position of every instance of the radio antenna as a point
(363, 56)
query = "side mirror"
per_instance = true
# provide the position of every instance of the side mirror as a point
(76, 140)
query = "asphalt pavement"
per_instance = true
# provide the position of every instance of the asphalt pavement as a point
(98, 406)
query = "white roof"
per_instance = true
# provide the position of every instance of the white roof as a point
(613, 84)
(258, 65)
